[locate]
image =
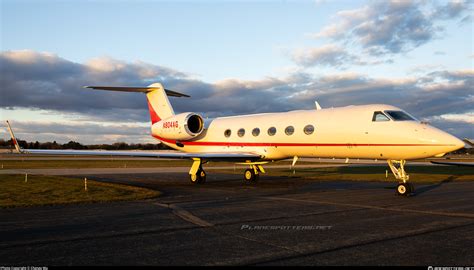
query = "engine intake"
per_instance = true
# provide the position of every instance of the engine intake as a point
(180, 127)
(194, 124)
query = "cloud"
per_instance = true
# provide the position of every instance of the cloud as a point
(452, 9)
(391, 27)
(331, 55)
(326, 55)
(44, 81)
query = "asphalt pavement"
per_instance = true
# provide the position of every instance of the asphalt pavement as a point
(278, 221)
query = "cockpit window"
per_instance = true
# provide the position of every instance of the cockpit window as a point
(379, 117)
(400, 116)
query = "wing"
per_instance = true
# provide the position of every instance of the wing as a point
(463, 164)
(224, 156)
(216, 156)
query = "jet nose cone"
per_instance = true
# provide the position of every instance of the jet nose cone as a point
(458, 144)
(452, 143)
(449, 142)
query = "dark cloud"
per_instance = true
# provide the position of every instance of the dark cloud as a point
(25, 84)
(461, 128)
(46, 81)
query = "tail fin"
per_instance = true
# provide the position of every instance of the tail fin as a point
(158, 103)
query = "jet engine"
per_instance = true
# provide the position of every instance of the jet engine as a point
(180, 127)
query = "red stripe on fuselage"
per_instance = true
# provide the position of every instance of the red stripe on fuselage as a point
(153, 116)
(190, 143)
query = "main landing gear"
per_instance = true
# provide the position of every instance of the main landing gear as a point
(251, 175)
(197, 175)
(398, 169)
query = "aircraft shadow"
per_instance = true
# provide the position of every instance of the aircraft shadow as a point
(424, 189)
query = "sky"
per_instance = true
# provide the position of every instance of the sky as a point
(232, 57)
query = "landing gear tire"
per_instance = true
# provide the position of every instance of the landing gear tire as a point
(250, 176)
(405, 189)
(199, 177)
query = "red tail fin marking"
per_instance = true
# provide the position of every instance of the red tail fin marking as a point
(153, 116)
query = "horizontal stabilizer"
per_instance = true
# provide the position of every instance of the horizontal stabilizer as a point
(136, 89)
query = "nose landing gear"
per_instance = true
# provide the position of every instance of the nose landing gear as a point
(404, 188)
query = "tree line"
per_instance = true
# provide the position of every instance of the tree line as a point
(8, 144)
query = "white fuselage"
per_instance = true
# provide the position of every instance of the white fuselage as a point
(345, 132)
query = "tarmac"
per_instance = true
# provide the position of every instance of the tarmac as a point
(278, 221)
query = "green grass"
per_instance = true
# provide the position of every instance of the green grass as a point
(75, 164)
(49, 190)
(418, 174)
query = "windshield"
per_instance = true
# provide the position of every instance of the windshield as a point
(400, 116)
(379, 117)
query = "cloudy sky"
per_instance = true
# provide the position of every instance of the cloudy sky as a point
(232, 57)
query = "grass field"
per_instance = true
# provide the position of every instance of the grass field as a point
(75, 164)
(117, 163)
(48, 190)
(418, 174)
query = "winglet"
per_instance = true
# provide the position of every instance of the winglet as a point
(318, 107)
(468, 143)
(17, 146)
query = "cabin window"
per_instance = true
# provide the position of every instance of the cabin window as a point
(255, 132)
(227, 133)
(379, 117)
(289, 130)
(308, 130)
(272, 131)
(400, 116)
(241, 132)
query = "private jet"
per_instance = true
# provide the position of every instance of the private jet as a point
(375, 131)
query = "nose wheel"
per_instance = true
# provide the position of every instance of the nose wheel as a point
(405, 189)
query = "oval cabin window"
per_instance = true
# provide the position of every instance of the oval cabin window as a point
(308, 130)
(289, 130)
(241, 132)
(272, 131)
(256, 132)
(227, 133)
